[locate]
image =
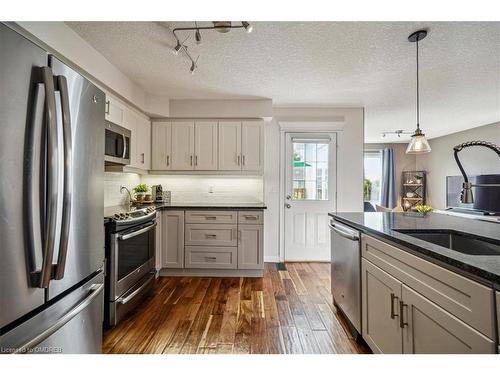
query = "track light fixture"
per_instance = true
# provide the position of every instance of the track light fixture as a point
(395, 132)
(219, 26)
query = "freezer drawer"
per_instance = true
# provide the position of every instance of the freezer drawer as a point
(72, 325)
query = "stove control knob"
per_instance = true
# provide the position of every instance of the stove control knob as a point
(116, 216)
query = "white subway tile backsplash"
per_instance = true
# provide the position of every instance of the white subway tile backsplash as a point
(210, 188)
(112, 183)
(187, 189)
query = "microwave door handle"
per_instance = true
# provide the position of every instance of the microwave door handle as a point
(124, 146)
(62, 86)
(136, 233)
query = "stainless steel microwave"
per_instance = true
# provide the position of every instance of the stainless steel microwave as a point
(117, 146)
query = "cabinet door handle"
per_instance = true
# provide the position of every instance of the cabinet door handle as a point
(168, 160)
(210, 217)
(191, 160)
(196, 160)
(250, 217)
(210, 235)
(210, 259)
(142, 156)
(243, 159)
(106, 111)
(402, 323)
(393, 297)
(238, 159)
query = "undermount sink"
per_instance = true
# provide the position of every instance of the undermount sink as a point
(458, 241)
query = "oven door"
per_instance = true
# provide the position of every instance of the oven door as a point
(117, 144)
(132, 256)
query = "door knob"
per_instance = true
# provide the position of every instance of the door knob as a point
(288, 205)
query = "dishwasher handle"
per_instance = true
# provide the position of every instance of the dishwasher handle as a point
(344, 231)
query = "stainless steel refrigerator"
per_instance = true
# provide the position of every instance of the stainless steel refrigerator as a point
(51, 203)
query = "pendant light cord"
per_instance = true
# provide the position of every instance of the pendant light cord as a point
(418, 94)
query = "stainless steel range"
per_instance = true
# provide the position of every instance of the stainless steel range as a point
(130, 255)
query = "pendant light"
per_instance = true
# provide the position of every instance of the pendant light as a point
(418, 143)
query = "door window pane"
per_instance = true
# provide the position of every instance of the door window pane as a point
(310, 171)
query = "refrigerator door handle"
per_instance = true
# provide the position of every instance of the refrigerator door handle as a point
(62, 87)
(95, 290)
(41, 278)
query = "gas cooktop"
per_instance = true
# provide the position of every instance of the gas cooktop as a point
(124, 214)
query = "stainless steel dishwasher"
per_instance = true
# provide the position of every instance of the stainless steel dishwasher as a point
(346, 271)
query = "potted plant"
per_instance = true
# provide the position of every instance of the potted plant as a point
(140, 191)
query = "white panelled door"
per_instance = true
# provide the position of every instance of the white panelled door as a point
(310, 173)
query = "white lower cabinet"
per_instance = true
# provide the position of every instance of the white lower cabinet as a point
(398, 318)
(381, 294)
(172, 252)
(250, 246)
(429, 329)
(189, 242)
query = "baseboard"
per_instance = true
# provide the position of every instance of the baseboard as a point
(271, 259)
(210, 272)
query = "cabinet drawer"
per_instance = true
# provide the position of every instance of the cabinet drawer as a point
(468, 300)
(250, 217)
(211, 257)
(219, 217)
(211, 235)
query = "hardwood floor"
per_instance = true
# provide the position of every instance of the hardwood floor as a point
(287, 311)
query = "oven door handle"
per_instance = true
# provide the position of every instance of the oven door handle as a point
(136, 233)
(124, 300)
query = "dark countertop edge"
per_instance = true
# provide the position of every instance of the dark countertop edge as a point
(237, 207)
(477, 274)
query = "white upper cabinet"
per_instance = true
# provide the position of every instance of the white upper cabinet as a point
(252, 146)
(143, 142)
(114, 111)
(183, 145)
(205, 146)
(208, 146)
(230, 146)
(161, 144)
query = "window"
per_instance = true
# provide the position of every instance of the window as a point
(373, 177)
(310, 170)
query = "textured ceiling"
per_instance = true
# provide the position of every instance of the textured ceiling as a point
(368, 64)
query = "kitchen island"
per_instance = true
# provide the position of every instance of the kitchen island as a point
(429, 283)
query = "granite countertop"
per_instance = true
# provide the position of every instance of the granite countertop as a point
(384, 225)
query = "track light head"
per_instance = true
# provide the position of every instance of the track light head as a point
(193, 67)
(197, 36)
(177, 48)
(247, 26)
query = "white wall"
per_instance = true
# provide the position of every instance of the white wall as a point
(223, 108)
(440, 162)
